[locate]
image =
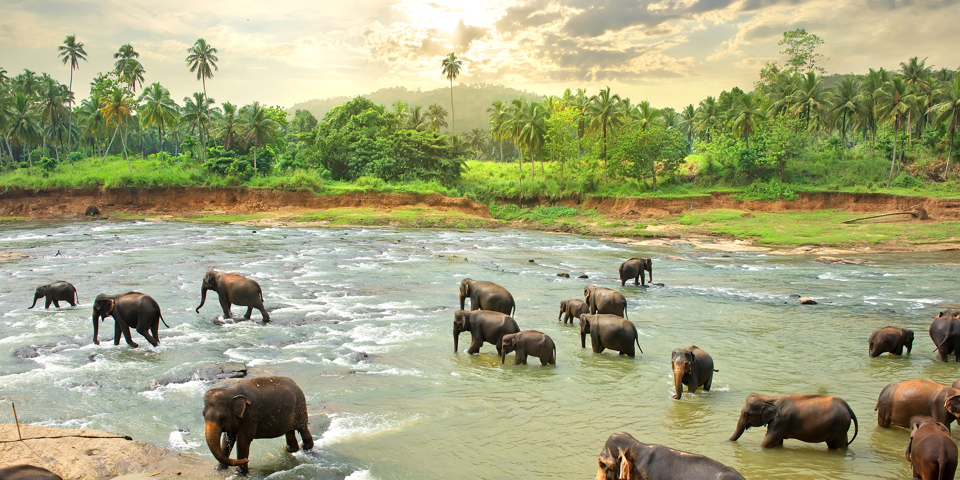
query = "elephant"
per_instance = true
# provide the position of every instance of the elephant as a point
(27, 472)
(486, 296)
(931, 450)
(901, 401)
(142, 310)
(529, 342)
(625, 458)
(808, 418)
(634, 269)
(262, 407)
(55, 293)
(570, 309)
(233, 289)
(609, 331)
(945, 333)
(691, 367)
(890, 339)
(484, 326)
(605, 300)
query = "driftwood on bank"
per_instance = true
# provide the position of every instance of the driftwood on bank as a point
(916, 211)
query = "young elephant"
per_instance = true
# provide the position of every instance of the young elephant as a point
(808, 418)
(264, 407)
(233, 289)
(890, 339)
(605, 300)
(609, 331)
(131, 308)
(55, 293)
(945, 333)
(570, 309)
(529, 342)
(484, 326)
(634, 269)
(901, 401)
(625, 458)
(691, 367)
(486, 296)
(931, 450)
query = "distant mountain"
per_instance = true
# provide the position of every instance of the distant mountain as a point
(470, 101)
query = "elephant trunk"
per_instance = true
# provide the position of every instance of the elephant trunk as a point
(558, 316)
(583, 339)
(203, 297)
(678, 380)
(462, 298)
(96, 328)
(214, 433)
(35, 298)
(741, 427)
(456, 341)
(503, 356)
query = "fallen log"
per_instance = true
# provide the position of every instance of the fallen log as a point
(916, 212)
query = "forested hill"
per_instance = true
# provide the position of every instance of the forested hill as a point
(470, 101)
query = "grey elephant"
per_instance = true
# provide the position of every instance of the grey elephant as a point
(55, 293)
(634, 268)
(486, 296)
(484, 326)
(529, 342)
(605, 300)
(900, 401)
(609, 331)
(691, 367)
(625, 458)
(808, 418)
(233, 289)
(131, 308)
(945, 333)
(570, 309)
(890, 339)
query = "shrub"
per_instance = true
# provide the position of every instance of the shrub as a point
(773, 190)
(905, 180)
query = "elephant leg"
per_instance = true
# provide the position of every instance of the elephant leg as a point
(263, 311)
(116, 333)
(306, 437)
(225, 305)
(292, 445)
(249, 311)
(56, 303)
(708, 384)
(243, 452)
(71, 302)
(126, 335)
(899, 350)
(229, 439)
(772, 439)
(475, 343)
(520, 358)
(155, 329)
(143, 328)
(48, 302)
(636, 281)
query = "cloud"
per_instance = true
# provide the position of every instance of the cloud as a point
(464, 35)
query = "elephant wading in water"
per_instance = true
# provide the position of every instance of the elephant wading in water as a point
(931, 450)
(901, 401)
(634, 269)
(484, 326)
(529, 342)
(263, 407)
(233, 289)
(890, 339)
(625, 458)
(605, 300)
(609, 331)
(486, 296)
(131, 308)
(570, 309)
(55, 293)
(691, 367)
(808, 418)
(945, 333)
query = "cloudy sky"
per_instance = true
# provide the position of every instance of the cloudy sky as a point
(671, 52)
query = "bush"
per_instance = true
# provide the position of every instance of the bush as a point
(905, 180)
(773, 190)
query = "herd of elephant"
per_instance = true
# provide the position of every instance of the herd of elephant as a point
(270, 407)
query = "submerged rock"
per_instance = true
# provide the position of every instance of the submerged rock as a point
(841, 261)
(583, 276)
(209, 373)
(28, 351)
(363, 357)
(806, 301)
(563, 274)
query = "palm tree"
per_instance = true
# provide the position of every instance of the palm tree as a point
(400, 109)
(451, 68)
(203, 60)
(846, 104)
(160, 111)
(745, 116)
(513, 123)
(258, 127)
(128, 67)
(916, 74)
(417, 119)
(646, 115)
(894, 104)
(71, 52)
(708, 117)
(533, 127)
(24, 124)
(605, 116)
(196, 112)
(229, 125)
(687, 118)
(436, 117)
(498, 116)
(947, 110)
(52, 106)
(477, 140)
(869, 86)
(6, 102)
(784, 85)
(91, 120)
(118, 107)
(810, 99)
(3, 76)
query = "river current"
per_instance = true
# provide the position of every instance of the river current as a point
(411, 408)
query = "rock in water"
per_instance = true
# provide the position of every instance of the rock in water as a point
(583, 276)
(26, 352)
(563, 274)
(221, 371)
(806, 301)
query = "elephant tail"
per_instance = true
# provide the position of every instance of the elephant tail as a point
(637, 339)
(715, 370)
(164, 321)
(513, 309)
(856, 425)
(76, 297)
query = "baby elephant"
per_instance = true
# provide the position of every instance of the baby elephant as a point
(233, 289)
(55, 293)
(691, 367)
(931, 450)
(529, 342)
(634, 269)
(808, 418)
(570, 309)
(890, 339)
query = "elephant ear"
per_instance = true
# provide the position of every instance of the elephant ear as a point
(769, 412)
(952, 404)
(239, 404)
(105, 306)
(626, 465)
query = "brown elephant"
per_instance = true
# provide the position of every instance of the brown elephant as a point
(931, 451)
(945, 333)
(529, 342)
(131, 308)
(233, 289)
(901, 401)
(625, 458)
(55, 293)
(890, 339)
(486, 296)
(634, 269)
(808, 418)
(609, 331)
(27, 472)
(484, 326)
(605, 300)
(570, 309)
(691, 367)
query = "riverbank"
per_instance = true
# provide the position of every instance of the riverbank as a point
(814, 218)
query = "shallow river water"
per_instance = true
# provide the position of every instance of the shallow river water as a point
(415, 409)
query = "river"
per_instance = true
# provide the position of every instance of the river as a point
(415, 409)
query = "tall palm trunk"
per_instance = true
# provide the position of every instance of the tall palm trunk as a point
(520, 190)
(893, 161)
(453, 116)
(107, 151)
(123, 141)
(70, 115)
(160, 143)
(255, 155)
(953, 130)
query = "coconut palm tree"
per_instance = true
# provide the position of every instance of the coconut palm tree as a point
(258, 128)
(605, 116)
(6, 102)
(91, 121)
(53, 106)
(202, 59)
(947, 110)
(3, 77)
(476, 139)
(745, 116)
(688, 122)
(229, 126)
(533, 128)
(400, 109)
(846, 103)
(436, 117)
(23, 122)
(417, 119)
(784, 85)
(708, 117)
(513, 123)
(894, 104)
(451, 68)
(196, 113)
(646, 116)
(71, 52)
(498, 116)
(869, 86)
(159, 111)
(810, 100)
(128, 67)
(118, 107)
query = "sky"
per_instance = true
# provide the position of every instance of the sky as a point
(280, 52)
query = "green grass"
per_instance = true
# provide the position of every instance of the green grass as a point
(412, 217)
(226, 218)
(12, 219)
